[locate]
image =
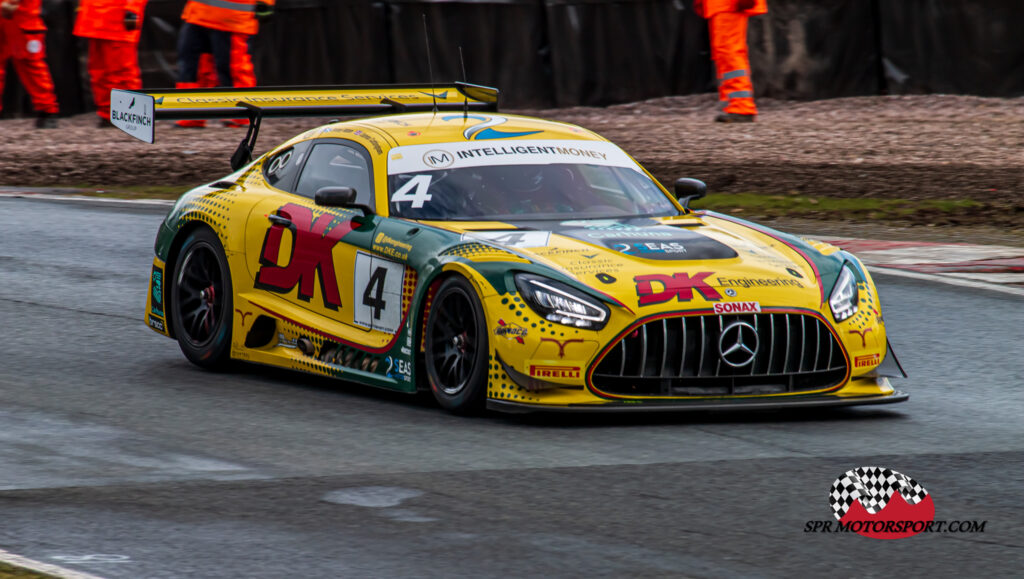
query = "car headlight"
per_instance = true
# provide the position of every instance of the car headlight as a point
(845, 295)
(556, 302)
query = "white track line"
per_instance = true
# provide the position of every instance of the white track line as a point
(88, 199)
(947, 280)
(40, 567)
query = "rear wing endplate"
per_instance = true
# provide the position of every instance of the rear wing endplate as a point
(136, 112)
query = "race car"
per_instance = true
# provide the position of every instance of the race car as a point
(500, 261)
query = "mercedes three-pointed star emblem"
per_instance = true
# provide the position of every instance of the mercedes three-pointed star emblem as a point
(737, 345)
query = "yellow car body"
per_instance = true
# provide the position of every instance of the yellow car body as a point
(346, 291)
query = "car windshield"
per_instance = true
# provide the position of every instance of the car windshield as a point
(515, 180)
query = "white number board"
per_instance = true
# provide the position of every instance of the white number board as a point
(378, 293)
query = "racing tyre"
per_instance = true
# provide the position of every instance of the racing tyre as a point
(457, 348)
(201, 311)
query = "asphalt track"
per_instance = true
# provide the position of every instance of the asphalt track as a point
(120, 459)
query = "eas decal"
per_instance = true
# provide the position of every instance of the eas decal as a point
(398, 369)
(644, 248)
(311, 254)
(659, 288)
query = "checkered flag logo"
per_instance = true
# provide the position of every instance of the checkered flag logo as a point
(873, 486)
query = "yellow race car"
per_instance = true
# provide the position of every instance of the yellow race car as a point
(500, 261)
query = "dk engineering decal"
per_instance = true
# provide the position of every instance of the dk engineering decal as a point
(658, 288)
(881, 503)
(311, 254)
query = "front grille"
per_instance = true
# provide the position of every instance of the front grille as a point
(679, 356)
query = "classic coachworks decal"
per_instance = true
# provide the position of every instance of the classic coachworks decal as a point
(658, 288)
(311, 254)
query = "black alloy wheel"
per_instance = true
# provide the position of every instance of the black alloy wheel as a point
(457, 347)
(201, 310)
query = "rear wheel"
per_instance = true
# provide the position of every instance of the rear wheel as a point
(457, 347)
(201, 306)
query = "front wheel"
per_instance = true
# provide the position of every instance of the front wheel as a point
(201, 301)
(457, 347)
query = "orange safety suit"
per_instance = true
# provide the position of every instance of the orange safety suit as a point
(23, 41)
(236, 18)
(727, 22)
(227, 15)
(113, 47)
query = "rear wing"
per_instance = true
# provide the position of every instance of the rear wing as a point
(136, 112)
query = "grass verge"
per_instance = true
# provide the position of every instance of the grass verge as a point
(12, 572)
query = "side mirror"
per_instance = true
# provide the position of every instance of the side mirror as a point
(344, 197)
(689, 189)
(335, 196)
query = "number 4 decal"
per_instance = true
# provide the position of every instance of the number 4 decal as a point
(421, 184)
(378, 293)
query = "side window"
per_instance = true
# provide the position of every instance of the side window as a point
(283, 167)
(334, 164)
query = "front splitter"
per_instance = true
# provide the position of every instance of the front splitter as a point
(702, 405)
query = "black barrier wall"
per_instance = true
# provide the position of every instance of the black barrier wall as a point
(591, 52)
(966, 47)
(813, 49)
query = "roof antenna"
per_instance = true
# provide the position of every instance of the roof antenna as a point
(430, 68)
(465, 99)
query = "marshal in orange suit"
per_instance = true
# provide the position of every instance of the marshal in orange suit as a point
(23, 41)
(214, 48)
(113, 28)
(727, 22)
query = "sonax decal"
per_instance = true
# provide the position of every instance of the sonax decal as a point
(737, 308)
